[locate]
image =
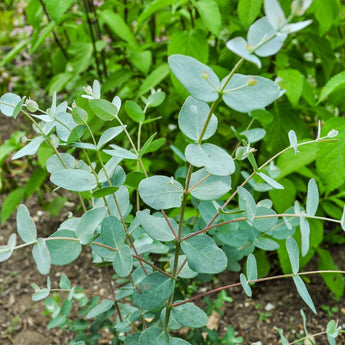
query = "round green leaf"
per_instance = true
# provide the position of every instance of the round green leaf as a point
(203, 255)
(190, 315)
(199, 79)
(215, 160)
(123, 261)
(153, 291)
(192, 118)
(153, 336)
(75, 180)
(8, 103)
(210, 189)
(103, 109)
(134, 111)
(63, 252)
(244, 98)
(161, 192)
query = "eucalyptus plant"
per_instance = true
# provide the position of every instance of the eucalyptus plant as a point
(198, 221)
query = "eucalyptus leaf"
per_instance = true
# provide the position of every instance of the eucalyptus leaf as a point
(247, 203)
(303, 292)
(31, 148)
(203, 255)
(109, 135)
(245, 285)
(215, 159)
(293, 252)
(305, 233)
(192, 118)
(189, 315)
(153, 291)
(342, 221)
(157, 227)
(252, 269)
(100, 308)
(123, 261)
(25, 225)
(6, 250)
(8, 103)
(75, 180)
(120, 152)
(112, 232)
(246, 93)
(153, 336)
(161, 192)
(312, 198)
(41, 255)
(199, 79)
(103, 109)
(273, 183)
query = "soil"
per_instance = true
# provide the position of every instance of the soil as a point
(274, 303)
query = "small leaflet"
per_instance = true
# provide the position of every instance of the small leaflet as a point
(293, 141)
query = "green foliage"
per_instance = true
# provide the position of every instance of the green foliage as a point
(157, 221)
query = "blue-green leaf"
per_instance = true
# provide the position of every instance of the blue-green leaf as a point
(75, 180)
(245, 285)
(112, 232)
(153, 291)
(41, 255)
(312, 198)
(239, 46)
(189, 315)
(8, 103)
(252, 268)
(305, 232)
(30, 149)
(103, 109)
(161, 192)
(100, 308)
(6, 250)
(247, 203)
(123, 261)
(108, 135)
(192, 118)
(203, 255)
(153, 336)
(25, 225)
(303, 292)
(199, 79)
(293, 252)
(215, 159)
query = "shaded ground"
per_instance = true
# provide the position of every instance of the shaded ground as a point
(22, 322)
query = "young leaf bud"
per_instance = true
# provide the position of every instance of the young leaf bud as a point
(31, 105)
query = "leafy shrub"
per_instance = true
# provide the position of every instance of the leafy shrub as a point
(202, 221)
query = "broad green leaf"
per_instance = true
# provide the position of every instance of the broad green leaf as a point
(75, 180)
(81, 56)
(11, 202)
(6, 250)
(252, 268)
(198, 79)
(25, 225)
(248, 10)
(41, 255)
(257, 38)
(154, 78)
(215, 159)
(192, 118)
(142, 60)
(239, 46)
(210, 15)
(305, 233)
(79, 115)
(76, 133)
(133, 179)
(282, 199)
(156, 99)
(134, 111)
(157, 227)
(31, 148)
(210, 189)
(151, 8)
(273, 183)
(325, 13)
(334, 281)
(63, 252)
(57, 8)
(245, 285)
(161, 192)
(274, 13)
(123, 261)
(189, 315)
(44, 33)
(203, 255)
(333, 84)
(247, 203)
(109, 135)
(303, 292)
(292, 81)
(100, 308)
(112, 232)
(189, 42)
(246, 93)
(293, 252)
(88, 223)
(118, 26)
(153, 336)
(312, 198)
(100, 193)
(154, 146)
(103, 109)
(153, 291)
(14, 52)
